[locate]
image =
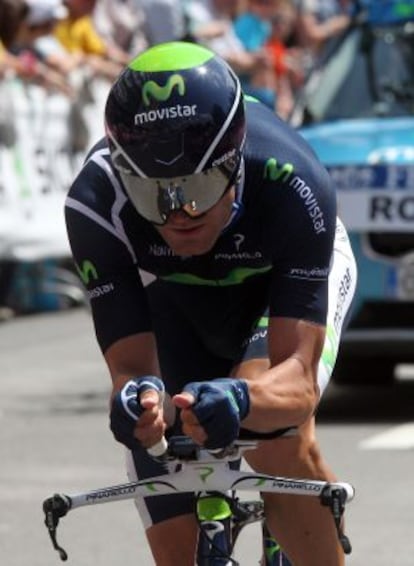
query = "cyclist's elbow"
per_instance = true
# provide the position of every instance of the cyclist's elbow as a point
(305, 400)
(283, 407)
(304, 408)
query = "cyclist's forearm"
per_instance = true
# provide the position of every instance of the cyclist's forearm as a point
(285, 395)
(132, 356)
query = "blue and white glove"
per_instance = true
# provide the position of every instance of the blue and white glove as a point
(220, 405)
(126, 408)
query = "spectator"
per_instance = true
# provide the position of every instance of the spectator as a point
(252, 26)
(286, 60)
(121, 23)
(78, 34)
(322, 20)
(44, 12)
(12, 14)
(165, 19)
(22, 24)
(387, 11)
(211, 23)
(38, 21)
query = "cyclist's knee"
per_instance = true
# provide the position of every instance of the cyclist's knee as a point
(296, 456)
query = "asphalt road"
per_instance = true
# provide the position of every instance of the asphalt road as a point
(54, 437)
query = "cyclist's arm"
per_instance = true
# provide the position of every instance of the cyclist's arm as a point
(132, 356)
(107, 266)
(286, 393)
(136, 356)
(300, 233)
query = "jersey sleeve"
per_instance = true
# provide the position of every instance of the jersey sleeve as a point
(301, 235)
(103, 258)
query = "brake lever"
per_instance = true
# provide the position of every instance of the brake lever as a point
(55, 508)
(335, 499)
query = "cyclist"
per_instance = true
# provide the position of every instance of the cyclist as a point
(205, 231)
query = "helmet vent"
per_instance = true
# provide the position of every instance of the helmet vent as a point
(169, 152)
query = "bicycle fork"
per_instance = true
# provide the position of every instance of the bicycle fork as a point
(272, 552)
(221, 519)
(215, 537)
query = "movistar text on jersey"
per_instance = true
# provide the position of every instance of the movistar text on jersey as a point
(169, 113)
(311, 203)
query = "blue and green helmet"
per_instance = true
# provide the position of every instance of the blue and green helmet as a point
(176, 110)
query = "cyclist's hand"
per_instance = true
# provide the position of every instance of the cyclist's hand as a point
(136, 416)
(211, 411)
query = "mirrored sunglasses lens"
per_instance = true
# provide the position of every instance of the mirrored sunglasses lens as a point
(190, 208)
(144, 198)
(156, 199)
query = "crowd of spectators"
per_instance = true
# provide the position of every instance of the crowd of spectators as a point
(271, 44)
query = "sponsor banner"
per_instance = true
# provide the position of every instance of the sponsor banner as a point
(382, 210)
(373, 177)
(38, 162)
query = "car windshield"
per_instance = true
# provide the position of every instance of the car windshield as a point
(370, 74)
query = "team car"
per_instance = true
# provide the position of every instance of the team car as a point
(357, 112)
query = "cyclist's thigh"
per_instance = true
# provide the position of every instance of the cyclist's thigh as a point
(174, 542)
(342, 283)
(302, 526)
(155, 509)
(295, 454)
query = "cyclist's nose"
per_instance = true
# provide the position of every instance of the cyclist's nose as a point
(179, 218)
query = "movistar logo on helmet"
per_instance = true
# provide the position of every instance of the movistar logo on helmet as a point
(162, 92)
(151, 89)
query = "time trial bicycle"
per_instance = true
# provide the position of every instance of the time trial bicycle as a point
(220, 513)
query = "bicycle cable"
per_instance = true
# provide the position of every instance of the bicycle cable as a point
(204, 532)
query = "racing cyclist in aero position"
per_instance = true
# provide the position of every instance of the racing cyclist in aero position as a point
(205, 231)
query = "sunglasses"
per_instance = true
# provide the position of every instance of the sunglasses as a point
(156, 199)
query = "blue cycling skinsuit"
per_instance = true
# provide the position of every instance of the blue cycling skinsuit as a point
(283, 253)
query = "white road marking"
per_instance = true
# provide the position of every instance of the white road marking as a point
(397, 438)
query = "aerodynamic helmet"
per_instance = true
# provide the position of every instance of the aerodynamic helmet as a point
(175, 125)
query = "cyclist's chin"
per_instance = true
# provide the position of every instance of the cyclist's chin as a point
(196, 236)
(186, 243)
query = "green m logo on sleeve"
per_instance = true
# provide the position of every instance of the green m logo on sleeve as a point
(274, 171)
(163, 93)
(87, 271)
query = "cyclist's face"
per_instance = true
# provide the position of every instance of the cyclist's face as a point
(196, 236)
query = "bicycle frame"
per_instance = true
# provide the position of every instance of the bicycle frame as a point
(221, 518)
(202, 471)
